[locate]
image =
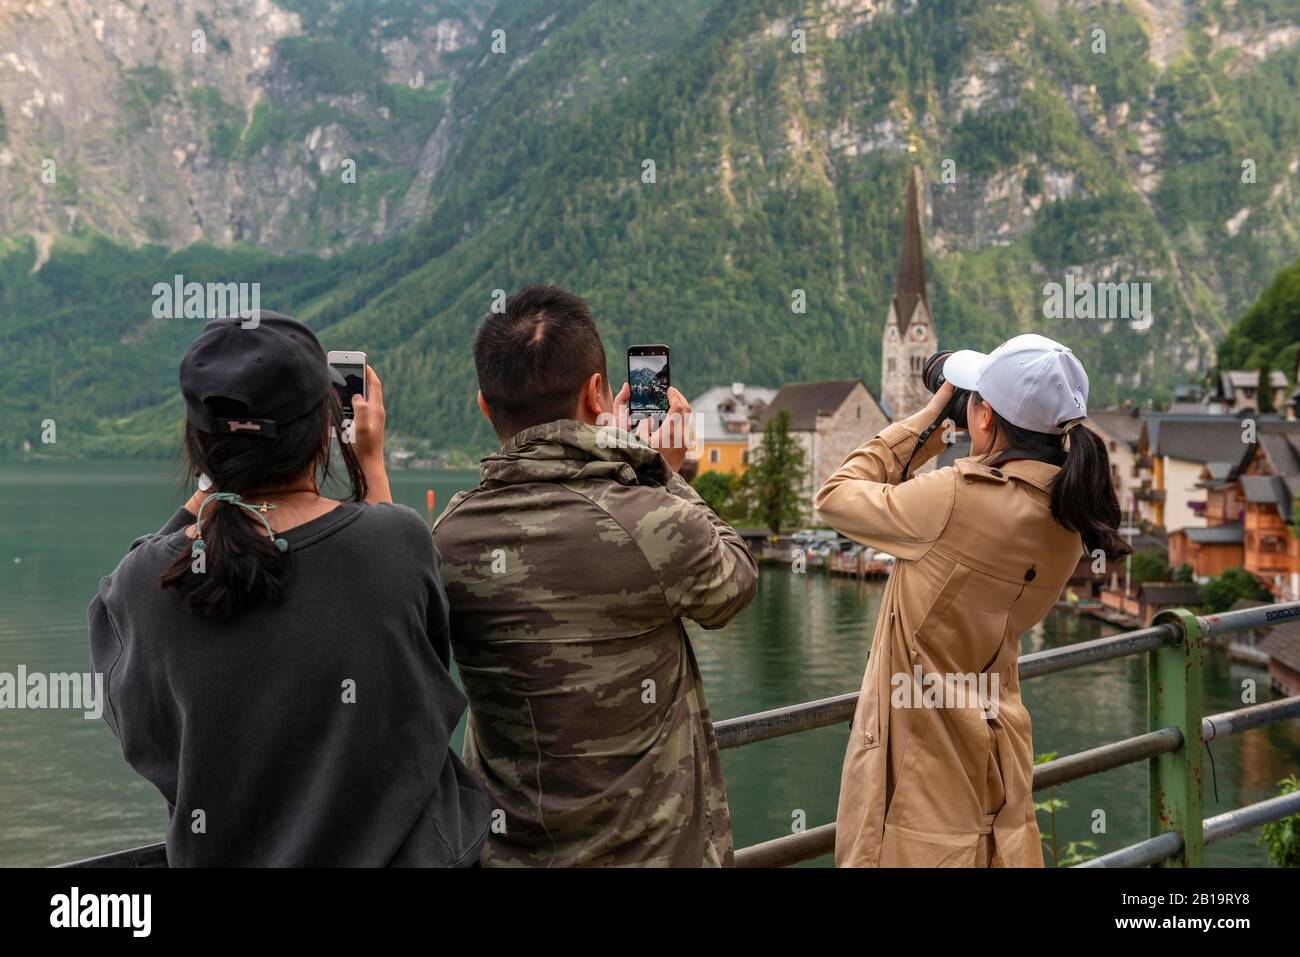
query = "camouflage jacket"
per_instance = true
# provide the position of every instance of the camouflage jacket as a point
(568, 571)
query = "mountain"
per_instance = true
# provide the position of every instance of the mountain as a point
(680, 165)
(229, 121)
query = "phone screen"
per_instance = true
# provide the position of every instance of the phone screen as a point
(354, 378)
(648, 380)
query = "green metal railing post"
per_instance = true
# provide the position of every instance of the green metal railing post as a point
(1175, 690)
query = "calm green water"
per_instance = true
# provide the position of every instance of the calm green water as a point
(65, 791)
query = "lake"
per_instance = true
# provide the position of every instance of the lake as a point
(66, 793)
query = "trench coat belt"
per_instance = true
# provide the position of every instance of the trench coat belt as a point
(986, 823)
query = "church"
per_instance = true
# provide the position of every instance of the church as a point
(830, 419)
(909, 335)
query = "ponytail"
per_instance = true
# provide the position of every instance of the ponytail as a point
(240, 566)
(1083, 494)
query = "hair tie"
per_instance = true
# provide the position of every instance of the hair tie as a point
(1071, 424)
(234, 499)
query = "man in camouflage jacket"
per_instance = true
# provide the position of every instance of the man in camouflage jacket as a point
(569, 570)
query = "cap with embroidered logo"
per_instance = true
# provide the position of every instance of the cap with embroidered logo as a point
(254, 375)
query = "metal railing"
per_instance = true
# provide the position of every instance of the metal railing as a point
(1173, 645)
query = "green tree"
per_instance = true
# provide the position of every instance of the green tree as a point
(1223, 590)
(1264, 394)
(1149, 566)
(720, 492)
(1282, 838)
(1271, 323)
(773, 486)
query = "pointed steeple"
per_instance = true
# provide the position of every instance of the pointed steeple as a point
(909, 283)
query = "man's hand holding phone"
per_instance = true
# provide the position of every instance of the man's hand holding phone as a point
(670, 438)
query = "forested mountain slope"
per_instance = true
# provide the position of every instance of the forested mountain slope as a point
(1167, 153)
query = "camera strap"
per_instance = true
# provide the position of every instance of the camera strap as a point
(920, 441)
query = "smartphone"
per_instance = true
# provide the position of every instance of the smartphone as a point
(648, 380)
(351, 367)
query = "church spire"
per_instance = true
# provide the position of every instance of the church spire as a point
(909, 283)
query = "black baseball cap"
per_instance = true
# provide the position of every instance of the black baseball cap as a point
(265, 370)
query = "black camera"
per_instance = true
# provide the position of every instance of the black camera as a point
(933, 378)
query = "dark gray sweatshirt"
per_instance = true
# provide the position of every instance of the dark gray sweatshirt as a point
(310, 732)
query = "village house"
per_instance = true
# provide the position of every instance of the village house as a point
(723, 417)
(1172, 452)
(829, 420)
(1120, 429)
(1208, 551)
(1247, 513)
(1219, 545)
(1238, 392)
(1266, 541)
(1282, 646)
(1269, 477)
(1144, 602)
(1190, 398)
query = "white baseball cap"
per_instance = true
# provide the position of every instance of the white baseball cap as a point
(1031, 381)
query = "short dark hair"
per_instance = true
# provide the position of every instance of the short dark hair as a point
(534, 359)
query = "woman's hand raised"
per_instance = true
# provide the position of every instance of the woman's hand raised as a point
(367, 435)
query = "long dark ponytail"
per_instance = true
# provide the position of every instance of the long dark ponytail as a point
(241, 566)
(1083, 494)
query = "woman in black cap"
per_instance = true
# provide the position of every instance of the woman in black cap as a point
(277, 662)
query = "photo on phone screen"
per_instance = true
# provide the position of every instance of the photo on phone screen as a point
(648, 380)
(351, 367)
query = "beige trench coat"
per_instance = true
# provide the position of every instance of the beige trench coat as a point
(939, 766)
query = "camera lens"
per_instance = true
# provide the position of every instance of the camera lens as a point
(932, 371)
(933, 378)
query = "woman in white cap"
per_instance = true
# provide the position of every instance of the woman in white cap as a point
(939, 767)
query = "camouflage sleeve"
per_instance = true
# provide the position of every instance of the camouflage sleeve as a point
(866, 501)
(707, 573)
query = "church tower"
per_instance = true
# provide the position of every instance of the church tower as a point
(909, 337)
